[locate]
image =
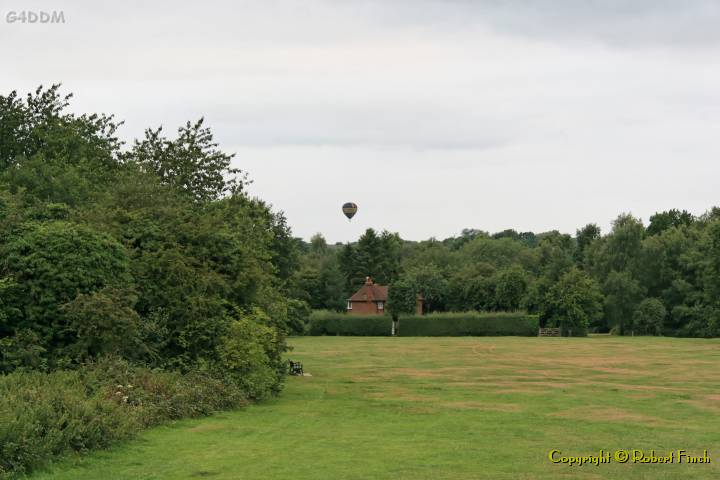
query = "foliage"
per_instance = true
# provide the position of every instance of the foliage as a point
(323, 322)
(154, 255)
(469, 324)
(50, 265)
(249, 354)
(649, 317)
(674, 260)
(402, 298)
(622, 295)
(437, 324)
(44, 415)
(104, 323)
(510, 288)
(374, 255)
(298, 316)
(429, 282)
(191, 162)
(665, 220)
(584, 237)
(573, 303)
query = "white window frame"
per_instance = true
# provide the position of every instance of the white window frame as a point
(349, 305)
(381, 305)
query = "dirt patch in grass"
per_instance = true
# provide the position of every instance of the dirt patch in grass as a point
(524, 391)
(708, 402)
(642, 388)
(641, 396)
(597, 413)
(492, 407)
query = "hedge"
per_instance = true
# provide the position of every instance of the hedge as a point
(432, 325)
(323, 322)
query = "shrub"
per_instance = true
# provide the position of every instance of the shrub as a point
(432, 325)
(22, 350)
(49, 265)
(298, 316)
(45, 415)
(649, 317)
(248, 355)
(697, 321)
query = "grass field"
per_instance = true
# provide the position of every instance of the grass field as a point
(448, 408)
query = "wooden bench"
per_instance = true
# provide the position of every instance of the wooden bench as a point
(295, 368)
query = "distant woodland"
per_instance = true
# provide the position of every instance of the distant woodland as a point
(662, 278)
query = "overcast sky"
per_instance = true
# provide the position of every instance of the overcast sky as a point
(431, 115)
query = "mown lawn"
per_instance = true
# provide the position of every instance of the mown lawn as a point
(448, 408)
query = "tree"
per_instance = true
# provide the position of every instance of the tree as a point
(510, 288)
(402, 298)
(712, 264)
(471, 288)
(298, 316)
(104, 322)
(49, 265)
(40, 126)
(369, 255)
(670, 218)
(585, 236)
(622, 295)
(348, 260)
(318, 245)
(619, 251)
(331, 284)
(649, 317)
(389, 261)
(429, 282)
(556, 252)
(573, 303)
(191, 162)
(52, 155)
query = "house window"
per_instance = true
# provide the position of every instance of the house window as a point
(381, 306)
(349, 305)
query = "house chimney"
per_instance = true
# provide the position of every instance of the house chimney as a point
(368, 281)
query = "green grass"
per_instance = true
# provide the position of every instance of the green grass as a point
(447, 408)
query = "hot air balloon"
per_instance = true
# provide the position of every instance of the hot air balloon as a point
(349, 209)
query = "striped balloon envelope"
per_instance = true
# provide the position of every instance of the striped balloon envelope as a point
(349, 209)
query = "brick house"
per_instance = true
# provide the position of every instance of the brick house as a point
(371, 300)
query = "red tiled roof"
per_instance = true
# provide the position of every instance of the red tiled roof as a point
(370, 293)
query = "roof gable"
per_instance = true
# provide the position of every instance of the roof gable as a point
(370, 292)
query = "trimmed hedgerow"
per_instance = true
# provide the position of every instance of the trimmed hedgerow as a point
(453, 324)
(46, 415)
(323, 322)
(469, 324)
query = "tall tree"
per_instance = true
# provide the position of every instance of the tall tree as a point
(573, 303)
(585, 236)
(670, 218)
(191, 162)
(622, 295)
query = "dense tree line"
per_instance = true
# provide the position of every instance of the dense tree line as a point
(663, 278)
(152, 252)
